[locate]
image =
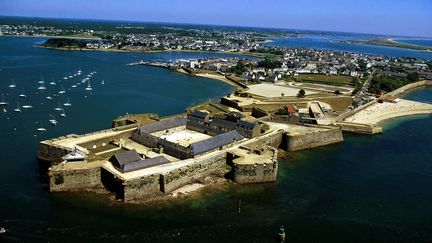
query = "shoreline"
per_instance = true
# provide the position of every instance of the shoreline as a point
(377, 113)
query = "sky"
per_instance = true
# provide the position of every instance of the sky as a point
(388, 17)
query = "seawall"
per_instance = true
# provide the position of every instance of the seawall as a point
(312, 140)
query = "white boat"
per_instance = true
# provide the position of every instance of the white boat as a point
(74, 86)
(3, 102)
(68, 103)
(70, 76)
(49, 96)
(62, 91)
(27, 106)
(4, 110)
(58, 108)
(18, 109)
(103, 82)
(41, 128)
(89, 87)
(53, 121)
(41, 81)
(23, 96)
(63, 114)
(12, 85)
(2, 230)
(52, 83)
(41, 87)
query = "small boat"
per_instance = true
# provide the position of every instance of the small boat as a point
(27, 106)
(53, 121)
(63, 114)
(41, 87)
(23, 96)
(58, 108)
(89, 87)
(68, 103)
(3, 102)
(2, 231)
(62, 91)
(70, 76)
(48, 97)
(41, 81)
(52, 83)
(41, 128)
(74, 86)
(12, 85)
(4, 110)
(103, 82)
(18, 109)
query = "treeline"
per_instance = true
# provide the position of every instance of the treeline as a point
(269, 63)
(389, 83)
(273, 51)
(64, 42)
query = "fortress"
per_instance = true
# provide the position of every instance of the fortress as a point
(151, 158)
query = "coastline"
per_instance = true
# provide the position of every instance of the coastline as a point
(377, 113)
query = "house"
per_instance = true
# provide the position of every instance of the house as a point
(130, 161)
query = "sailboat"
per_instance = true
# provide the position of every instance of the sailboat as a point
(62, 91)
(3, 102)
(48, 97)
(27, 106)
(58, 108)
(12, 85)
(65, 77)
(18, 109)
(103, 82)
(89, 88)
(41, 128)
(53, 121)
(42, 87)
(41, 81)
(68, 103)
(22, 95)
(63, 114)
(4, 110)
(52, 82)
(74, 86)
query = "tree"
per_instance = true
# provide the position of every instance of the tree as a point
(282, 94)
(413, 77)
(337, 92)
(301, 93)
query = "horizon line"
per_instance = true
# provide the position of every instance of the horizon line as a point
(215, 25)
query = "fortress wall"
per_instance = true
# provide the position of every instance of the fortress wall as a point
(185, 175)
(273, 139)
(312, 140)
(76, 180)
(359, 128)
(142, 188)
(256, 172)
(52, 154)
(107, 140)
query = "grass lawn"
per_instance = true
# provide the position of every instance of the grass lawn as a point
(325, 79)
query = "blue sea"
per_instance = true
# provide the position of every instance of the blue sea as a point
(366, 189)
(419, 42)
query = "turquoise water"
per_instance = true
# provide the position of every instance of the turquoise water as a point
(419, 42)
(366, 189)
(328, 43)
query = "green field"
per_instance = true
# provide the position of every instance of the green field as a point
(325, 79)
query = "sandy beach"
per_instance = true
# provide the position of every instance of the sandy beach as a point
(382, 111)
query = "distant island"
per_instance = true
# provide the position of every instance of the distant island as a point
(386, 42)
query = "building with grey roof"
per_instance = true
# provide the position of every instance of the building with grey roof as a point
(130, 161)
